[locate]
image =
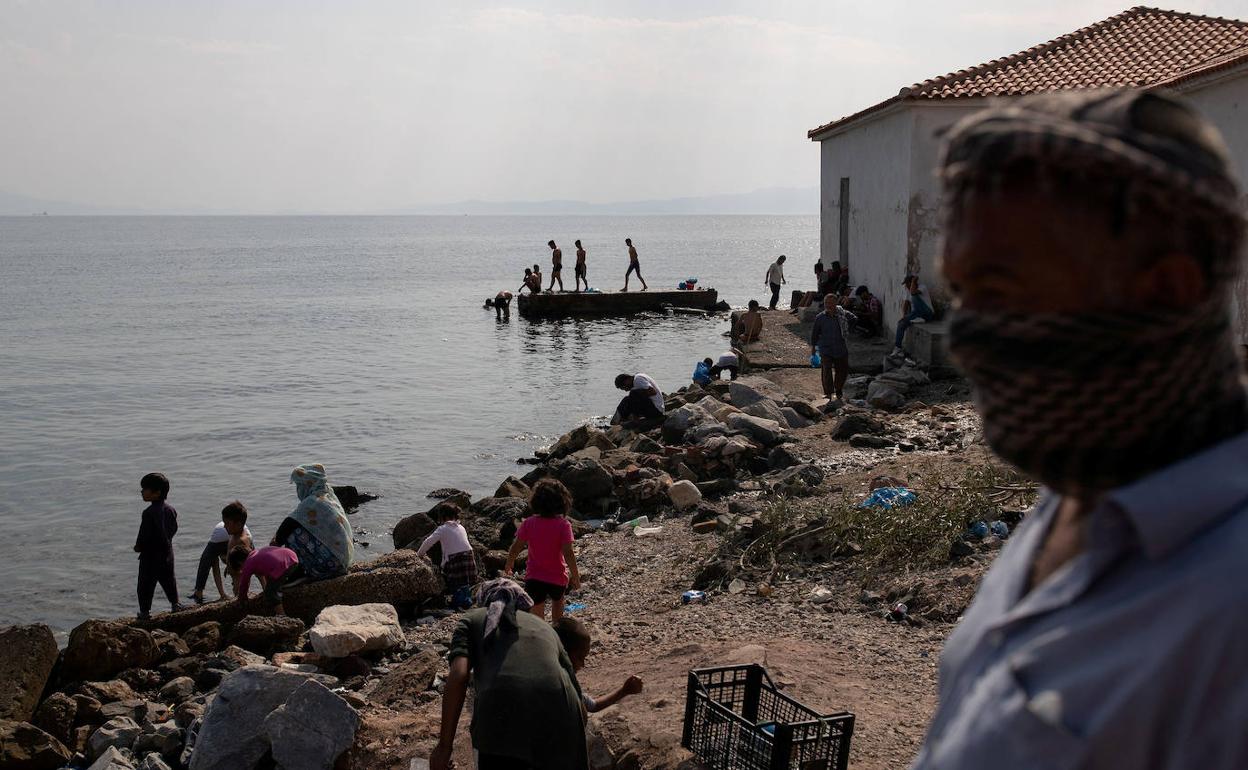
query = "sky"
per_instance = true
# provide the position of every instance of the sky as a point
(267, 106)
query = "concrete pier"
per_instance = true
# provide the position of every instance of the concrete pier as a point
(572, 304)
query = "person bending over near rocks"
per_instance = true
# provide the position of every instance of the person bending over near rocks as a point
(773, 279)
(576, 641)
(634, 266)
(915, 308)
(527, 714)
(154, 544)
(317, 530)
(580, 269)
(275, 566)
(459, 563)
(702, 372)
(551, 566)
(501, 303)
(729, 361)
(829, 336)
(643, 407)
(556, 266)
(750, 327)
(1092, 241)
(230, 533)
(532, 282)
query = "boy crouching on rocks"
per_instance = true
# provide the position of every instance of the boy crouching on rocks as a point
(576, 640)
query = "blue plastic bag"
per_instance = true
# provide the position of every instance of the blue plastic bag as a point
(815, 361)
(888, 497)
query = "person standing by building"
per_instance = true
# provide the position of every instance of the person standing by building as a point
(556, 266)
(1092, 242)
(634, 266)
(581, 273)
(829, 337)
(775, 277)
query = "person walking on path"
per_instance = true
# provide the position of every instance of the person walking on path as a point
(775, 277)
(527, 713)
(556, 266)
(916, 307)
(634, 266)
(1092, 244)
(829, 337)
(580, 270)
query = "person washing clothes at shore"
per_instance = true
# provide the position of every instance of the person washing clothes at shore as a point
(773, 279)
(459, 562)
(276, 567)
(1092, 243)
(915, 307)
(501, 303)
(230, 533)
(643, 407)
(317, 530)
(830, 338)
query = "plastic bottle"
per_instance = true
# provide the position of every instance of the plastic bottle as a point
(640, 521)
(693, 597)
(815, 361)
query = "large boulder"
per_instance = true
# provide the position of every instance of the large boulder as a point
(501, 509)
(29, 655)
(112, 759)
(886, 395)
(402, 688)
(266, 635)
(586, 480)
(768, 410)
(99, 649)
(684, 495)
(108, 692)
(513, 487)
(119, 733)
(679, 421)
(767, 432)
(25, 747)
(854, 423)
(396, 578)
(412, 529)
(164, 738)
(905, 377)
(747, 390)
(795, 418)
(311, 729)
(346, 630)
(204, 639)
(233, 734)
(56, 716)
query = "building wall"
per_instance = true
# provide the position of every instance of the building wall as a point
(875, 156)
(1225, 102)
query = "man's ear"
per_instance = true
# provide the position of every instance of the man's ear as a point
(1174, 282)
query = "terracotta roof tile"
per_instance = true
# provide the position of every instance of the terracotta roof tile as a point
(1141, 47)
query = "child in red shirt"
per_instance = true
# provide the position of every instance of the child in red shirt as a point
(551, 566)
(276, 567)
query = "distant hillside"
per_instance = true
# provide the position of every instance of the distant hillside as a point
(775, 200)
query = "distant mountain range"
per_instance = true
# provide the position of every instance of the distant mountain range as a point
(774, 200)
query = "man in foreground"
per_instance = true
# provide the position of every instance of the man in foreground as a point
(830, 337)
(1092, 240)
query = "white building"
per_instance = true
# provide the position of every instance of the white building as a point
(879, 203)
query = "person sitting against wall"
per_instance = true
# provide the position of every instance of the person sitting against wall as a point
(823, 285)
(915, 308)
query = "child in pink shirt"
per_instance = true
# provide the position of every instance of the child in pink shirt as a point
(551, 566)
(275, 566)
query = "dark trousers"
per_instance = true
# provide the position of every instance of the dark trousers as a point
(834, 372)
(495, 762)
(775, 295)
(151, 572)
(733, 371)
(923, 312)
(637, 407)
(212, 553)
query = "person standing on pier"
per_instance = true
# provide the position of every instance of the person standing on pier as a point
(580, 267)
(556, 266)
(634, 265)
(775, 277)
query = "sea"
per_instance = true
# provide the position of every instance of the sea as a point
(224, 351)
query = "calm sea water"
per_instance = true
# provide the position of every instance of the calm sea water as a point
(223, 351)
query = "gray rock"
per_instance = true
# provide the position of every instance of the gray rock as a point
(99, 649)
(704, 431)
(165, 738)
(232, 734)
(586, 479)
(799, 478)
(782, 457)
(412, 529)
(25, 746)
(29, 654)
(311, 729)
(768, 432)
(679, 421)
(866, 441)
(905, 376)
(853, 423)
(178, 690)
(112, 758)
(794, 419)
(266, 635)
(56, 716)
(120, 733)
(154, 762)
(344, 630)
(741, 394)
(684, 495)
(804, 408)
(885, 395)
(499, 509)
(766, 409)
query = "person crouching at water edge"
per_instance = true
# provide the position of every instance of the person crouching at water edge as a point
(642, 408)
(1092, 241)
(276, 567)
(527, 713)
(317, 530)
(459, 563)
(501, 303)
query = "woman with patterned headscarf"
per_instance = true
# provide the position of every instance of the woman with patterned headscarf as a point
(317, 530)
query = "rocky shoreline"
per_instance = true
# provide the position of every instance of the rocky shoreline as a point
(733, 463)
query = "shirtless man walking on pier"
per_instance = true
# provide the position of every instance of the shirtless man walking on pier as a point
(556, 266)
(634, 265)
(580, 268)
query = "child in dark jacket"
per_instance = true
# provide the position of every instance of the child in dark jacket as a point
(155, 544)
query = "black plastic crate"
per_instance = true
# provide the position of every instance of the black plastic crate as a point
(736, 719)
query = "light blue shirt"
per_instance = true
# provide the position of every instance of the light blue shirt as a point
(1134, 654)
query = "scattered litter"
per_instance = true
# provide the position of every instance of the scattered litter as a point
(595, 523)
(821, 595)
(574, 606)
(815, 361)
(646, 531)
(898, 612)
(693, 597)
(1000, 529)
(888, 497)
(640, 521)
(736, 586)
(978, 530)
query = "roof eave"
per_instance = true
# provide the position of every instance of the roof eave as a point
(836, 126)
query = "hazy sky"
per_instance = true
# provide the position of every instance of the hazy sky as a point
(350, 106)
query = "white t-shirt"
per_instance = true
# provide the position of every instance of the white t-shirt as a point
(728, 359)
(644, 382)
(451, 536)
(775, 273)
(219, 535)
